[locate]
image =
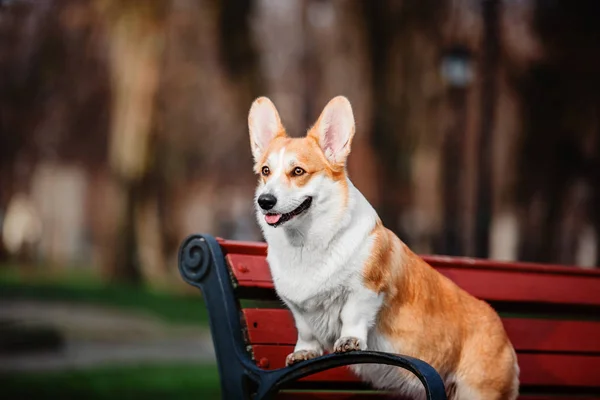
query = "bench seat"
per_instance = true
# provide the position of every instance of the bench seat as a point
(551, 314)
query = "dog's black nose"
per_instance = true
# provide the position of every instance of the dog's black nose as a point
(267, 201)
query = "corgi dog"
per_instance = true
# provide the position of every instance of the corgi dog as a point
(350, 283)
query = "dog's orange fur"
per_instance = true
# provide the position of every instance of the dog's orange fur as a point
(425, 315)
(308, 156)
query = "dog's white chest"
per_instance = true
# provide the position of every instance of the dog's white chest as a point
(317, 291)
(322, 314)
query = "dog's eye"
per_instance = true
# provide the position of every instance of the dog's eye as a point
(265, 171)
(298, 171)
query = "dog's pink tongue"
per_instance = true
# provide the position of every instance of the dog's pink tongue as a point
(272, 218)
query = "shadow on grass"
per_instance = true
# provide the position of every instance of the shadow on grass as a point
(116, 382)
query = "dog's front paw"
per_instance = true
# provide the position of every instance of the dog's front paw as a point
(348, 343)
(300, 355)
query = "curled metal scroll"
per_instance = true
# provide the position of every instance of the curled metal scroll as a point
(194, 259)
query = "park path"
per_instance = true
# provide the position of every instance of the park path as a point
(95, 335)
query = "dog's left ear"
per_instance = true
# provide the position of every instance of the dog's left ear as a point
(334, 130)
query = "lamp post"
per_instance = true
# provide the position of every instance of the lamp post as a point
(490, 56)
(457, 72)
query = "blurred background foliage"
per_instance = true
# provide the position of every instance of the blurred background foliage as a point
(123, 129)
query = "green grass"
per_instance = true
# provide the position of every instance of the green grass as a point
(174, 308)
(117, 382)
(153, 381)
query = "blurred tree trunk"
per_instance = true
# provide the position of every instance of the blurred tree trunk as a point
(337, 63)
(451, 241)
(212, 73)
(595, 203)
(238, 52)
(21, 29)
(545, 163)
(278, 29)
(383, 27)
(135, 31)
(405, 43)
(559, 152)
(520, 48)
(489, 68)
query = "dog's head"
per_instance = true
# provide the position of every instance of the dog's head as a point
(301, 179)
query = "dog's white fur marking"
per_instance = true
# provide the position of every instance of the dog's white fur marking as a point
(279, 161)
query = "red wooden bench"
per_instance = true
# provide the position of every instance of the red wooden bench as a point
(551, 314)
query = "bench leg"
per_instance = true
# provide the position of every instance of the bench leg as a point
(202, 264)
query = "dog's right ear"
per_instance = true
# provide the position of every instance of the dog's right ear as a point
(264, 125)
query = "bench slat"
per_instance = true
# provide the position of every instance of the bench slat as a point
(494, 285)
(559, 370)
(384, 396)
(276, 326)
(487, 282)
(260, 249)
(549, 335)
(536, 369)
(336, 396)
(558, 397)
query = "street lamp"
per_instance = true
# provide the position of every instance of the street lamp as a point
(457, 67)
(457, 71)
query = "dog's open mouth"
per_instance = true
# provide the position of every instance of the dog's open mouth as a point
(278, 219)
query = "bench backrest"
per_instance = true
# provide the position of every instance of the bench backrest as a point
(551, 314)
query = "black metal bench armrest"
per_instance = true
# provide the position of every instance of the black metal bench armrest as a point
(202, 264)
(431, 380)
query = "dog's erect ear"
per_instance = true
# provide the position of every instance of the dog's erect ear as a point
(334, 130)
(264, 125)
